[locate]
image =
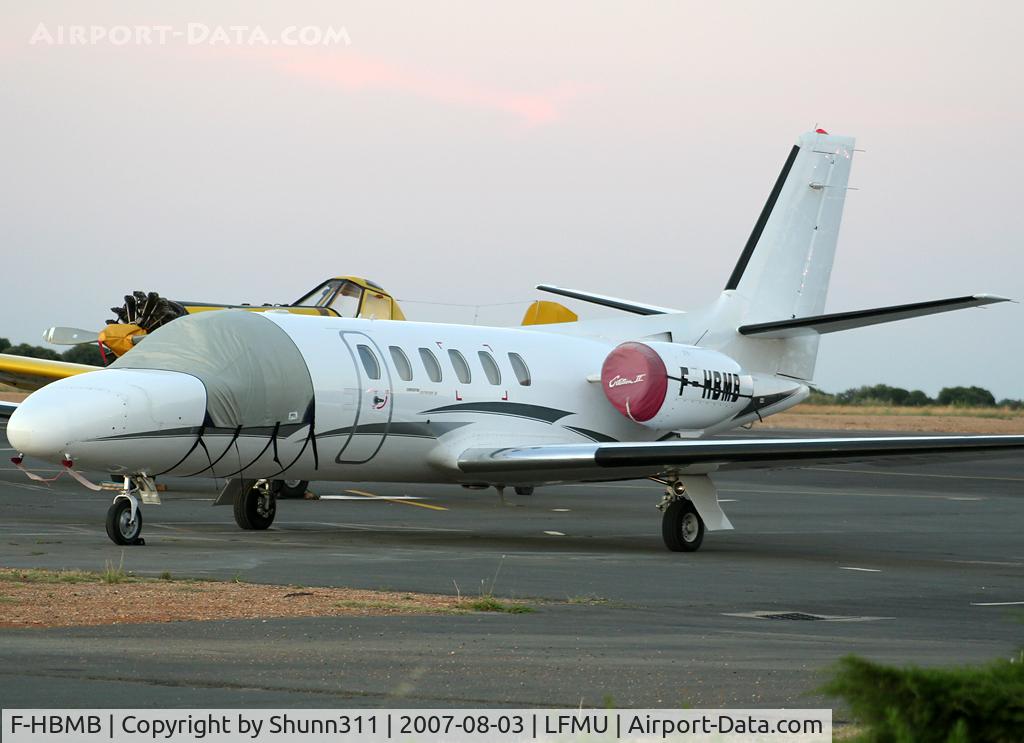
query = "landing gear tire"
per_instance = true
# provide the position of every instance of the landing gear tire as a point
(291, 488)
(255, 508)
(120, 527)
(682, 528)
(524, 490)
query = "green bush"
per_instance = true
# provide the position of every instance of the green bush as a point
(35, 352)
(817, 397)
(933, 705)
(968, 397)
(85, 353)
(882, 394)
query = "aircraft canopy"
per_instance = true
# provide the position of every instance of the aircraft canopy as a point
(254, 374)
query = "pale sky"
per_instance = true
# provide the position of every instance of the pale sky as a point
(460, 152)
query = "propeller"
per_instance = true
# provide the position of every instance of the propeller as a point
(140, 314)
(60, 336)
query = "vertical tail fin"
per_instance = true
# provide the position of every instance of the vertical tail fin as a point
(784, 269)
(785, 266)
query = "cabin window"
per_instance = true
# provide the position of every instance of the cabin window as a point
(520, 368)
(402, 365)
(461, 367)
(370, 363)
(430, 364)
(490, 367)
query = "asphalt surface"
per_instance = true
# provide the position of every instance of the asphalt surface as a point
(909, 555)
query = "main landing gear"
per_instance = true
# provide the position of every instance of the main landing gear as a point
(682, 528)
(256, 506)
(292, 488)
(124, 517)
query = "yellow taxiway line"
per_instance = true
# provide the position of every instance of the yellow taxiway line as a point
(397, 500)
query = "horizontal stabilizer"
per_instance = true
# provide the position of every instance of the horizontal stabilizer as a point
(626, 305)
(861, 318)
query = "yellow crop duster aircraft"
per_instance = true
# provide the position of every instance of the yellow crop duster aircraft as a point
(141, 314)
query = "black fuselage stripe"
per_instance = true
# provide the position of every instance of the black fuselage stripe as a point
(766, 212)
(511, 409)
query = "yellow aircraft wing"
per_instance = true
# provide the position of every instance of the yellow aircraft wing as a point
(28, 374)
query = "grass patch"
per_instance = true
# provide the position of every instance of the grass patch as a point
(114, 573)
(49, 576)
(409, 605)
(8, 600)
(588, 599)
(166, 575)
(396, 606)
(933, 705)
(489, 603)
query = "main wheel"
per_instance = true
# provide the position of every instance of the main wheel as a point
(682, 528)
(291, 488)
(524, 490)
(120, 527)
(255, 508)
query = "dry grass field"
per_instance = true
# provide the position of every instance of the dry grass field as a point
(928, 419)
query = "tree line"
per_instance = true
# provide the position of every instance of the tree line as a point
(883, 394)
(85, 353)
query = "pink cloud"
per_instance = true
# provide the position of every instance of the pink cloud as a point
(355, 72)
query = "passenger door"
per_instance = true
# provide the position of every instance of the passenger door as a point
(372, 400)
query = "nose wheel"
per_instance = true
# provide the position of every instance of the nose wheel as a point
(124, 517)
(124, 521)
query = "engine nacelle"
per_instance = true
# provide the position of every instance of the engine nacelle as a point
(672, 387)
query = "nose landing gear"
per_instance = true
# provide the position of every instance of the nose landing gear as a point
(124, 517)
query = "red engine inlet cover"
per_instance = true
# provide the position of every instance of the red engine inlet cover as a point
(635, 381)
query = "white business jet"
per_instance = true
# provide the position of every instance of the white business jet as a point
(259, 398)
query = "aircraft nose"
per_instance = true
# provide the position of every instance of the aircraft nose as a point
(100, 418)
(50, 420)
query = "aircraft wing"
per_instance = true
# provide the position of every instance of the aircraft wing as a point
(28, 374)
(6, 408)
(613, 461)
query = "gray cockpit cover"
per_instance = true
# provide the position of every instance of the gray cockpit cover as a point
(253, 372)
